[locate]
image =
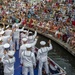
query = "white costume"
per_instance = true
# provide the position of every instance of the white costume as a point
(1, 31)
(8, 32)
(5, 39)
(28, 61)
(1, 50)
(16, 37)
(11, 43)
(23, 35)
(9, 64)
(32, 38)
(42, 57)
(6, 47)
(23, 48)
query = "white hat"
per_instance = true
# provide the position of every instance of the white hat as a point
(0, 39)
(24, 39)
(11, 53)
(2, 32)
(16, 25)
(24, 30)
(6, 45)
(28, 45)
(42, 43)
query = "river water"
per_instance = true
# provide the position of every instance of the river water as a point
(60, 56)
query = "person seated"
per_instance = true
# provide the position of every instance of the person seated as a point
(73, 41)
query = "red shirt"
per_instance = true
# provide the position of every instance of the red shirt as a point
(73, 23)
(45, 10)
(24, 22)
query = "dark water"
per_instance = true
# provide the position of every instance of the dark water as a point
(60, 56)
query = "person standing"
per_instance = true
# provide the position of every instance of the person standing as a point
(42, 57)
(22, 47)
(16, 36)
(9, 63)
(1, 55)
(28, 60)
(1, 49)
(32, 36)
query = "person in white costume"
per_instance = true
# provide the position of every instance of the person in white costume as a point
(9, 63)
(23, 34)
(10, 41)
(25, 43)
(22, 47)
(8, 30)
(42, 57)
(16, 36)
(1, 32)
(32, 36)
(28, 60)
(6, 46)
(1, 49)
(3, 37)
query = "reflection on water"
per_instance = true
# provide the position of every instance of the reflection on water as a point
(61, 56)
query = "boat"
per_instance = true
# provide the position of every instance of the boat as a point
(55, 69)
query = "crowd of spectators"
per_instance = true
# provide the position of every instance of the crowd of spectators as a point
(56, 19)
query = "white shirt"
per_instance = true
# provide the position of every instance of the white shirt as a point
(1, 51)
(8, 32)
(8, 64)
(42, 53)
(5, 39)
(16, 34)
(22, 48)
(28, 58)
(32, 38)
